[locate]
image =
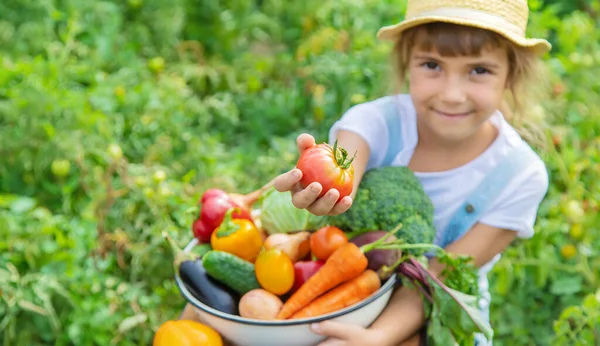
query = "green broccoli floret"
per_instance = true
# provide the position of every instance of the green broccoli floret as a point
(386, 197)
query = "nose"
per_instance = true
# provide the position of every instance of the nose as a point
(453, 90)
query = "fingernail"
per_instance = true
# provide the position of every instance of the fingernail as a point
(314, 188)
(296, 173)
(316, 327)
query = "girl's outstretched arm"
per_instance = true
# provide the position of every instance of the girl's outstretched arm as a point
(404, 315)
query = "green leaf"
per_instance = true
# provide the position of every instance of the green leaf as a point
(566, 285)
(437, 333)
(22, 205)
(460, 312)
(456, 311)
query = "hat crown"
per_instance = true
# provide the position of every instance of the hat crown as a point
(514, 12)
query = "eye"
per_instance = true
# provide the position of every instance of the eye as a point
(480, 70)
(430, 65)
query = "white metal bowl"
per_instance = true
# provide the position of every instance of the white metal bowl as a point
(252, 332)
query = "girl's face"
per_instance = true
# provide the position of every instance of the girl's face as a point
(455, 95)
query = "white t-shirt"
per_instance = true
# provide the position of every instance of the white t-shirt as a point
(515, 208)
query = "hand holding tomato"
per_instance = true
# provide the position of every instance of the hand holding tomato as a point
(329, 166)
(327, 181)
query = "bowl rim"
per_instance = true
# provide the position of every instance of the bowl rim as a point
(387, 285)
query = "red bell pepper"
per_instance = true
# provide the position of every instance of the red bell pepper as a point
(303, 270)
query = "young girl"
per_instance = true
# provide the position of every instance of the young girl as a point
(465, 61)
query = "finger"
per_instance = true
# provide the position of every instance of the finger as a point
(304, 198)
(342, 206)
(286, 181)
(324, 204)
(305, 141)
(332, 342)
(341, 331)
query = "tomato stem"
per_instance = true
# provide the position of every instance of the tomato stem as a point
(341, 156)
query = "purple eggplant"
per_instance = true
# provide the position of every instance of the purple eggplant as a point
(207, 290)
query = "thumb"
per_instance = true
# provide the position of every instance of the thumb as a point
(304, 141)
(333, 329)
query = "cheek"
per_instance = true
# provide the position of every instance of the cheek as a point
(421, 87)
(487, 96)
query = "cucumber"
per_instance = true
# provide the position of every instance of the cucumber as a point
(231, 271)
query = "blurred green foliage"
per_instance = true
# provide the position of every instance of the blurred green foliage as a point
(116, 115)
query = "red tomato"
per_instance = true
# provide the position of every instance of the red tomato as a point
(329, 166)
(326, 240)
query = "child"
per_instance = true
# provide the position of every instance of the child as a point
(465, 61)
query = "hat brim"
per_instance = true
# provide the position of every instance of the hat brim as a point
(394, 32)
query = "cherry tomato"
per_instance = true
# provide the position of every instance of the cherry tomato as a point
(329, 166)
(568, 251)
(576, 231)
(274, 271)
(573, 210)
(60, 168)
(326, 240)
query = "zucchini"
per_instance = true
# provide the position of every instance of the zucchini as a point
(231, 271)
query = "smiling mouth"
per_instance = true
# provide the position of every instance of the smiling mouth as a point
(452, 115)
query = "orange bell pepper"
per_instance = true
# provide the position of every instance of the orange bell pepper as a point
(186, 333)
(239, 237)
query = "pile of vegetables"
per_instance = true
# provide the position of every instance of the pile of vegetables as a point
(262, 278)
(266, 259)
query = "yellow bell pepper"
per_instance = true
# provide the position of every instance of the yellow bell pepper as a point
(186, 333)
(238, 237)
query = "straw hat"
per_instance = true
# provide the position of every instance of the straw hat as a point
(505, 17)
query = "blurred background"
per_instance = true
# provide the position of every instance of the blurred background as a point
(116, 115)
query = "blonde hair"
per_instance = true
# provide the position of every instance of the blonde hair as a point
(526, 81)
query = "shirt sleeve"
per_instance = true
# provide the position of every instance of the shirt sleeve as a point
(367, 121)
(517, 207)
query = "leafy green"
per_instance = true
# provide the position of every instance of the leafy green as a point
(458, 314)
(453, 314)
(279, 215)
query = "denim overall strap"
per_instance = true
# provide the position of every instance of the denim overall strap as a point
(487, 192)
(394, 125)
(481, 199)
